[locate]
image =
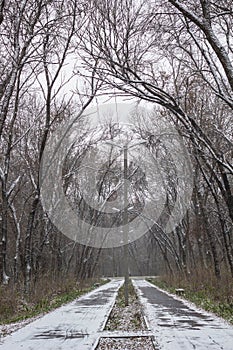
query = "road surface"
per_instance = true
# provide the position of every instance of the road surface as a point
(178, 325)
(173, 323)
(72, 326)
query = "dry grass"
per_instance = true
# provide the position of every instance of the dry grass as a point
(127, 318)
(199, 280)
(47, 294)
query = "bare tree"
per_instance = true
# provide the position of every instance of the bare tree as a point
(37, 42)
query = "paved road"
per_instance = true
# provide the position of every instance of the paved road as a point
(178, 326)
(73, 326)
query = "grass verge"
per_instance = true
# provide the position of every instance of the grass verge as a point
(127, 318)
(15, 308)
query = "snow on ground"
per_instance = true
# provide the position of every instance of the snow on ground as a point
(73, 326)
(125, 322)
(194, 306)
(127, 318)
(126, 344)
(179, 325)
(174, 323)
(7, 329)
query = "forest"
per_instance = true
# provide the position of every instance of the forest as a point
(59, 58)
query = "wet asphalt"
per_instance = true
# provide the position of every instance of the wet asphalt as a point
(173, 323)
(186, 316)
(179, 325)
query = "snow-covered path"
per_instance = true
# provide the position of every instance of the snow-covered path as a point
(179, 325)
(72, 326)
